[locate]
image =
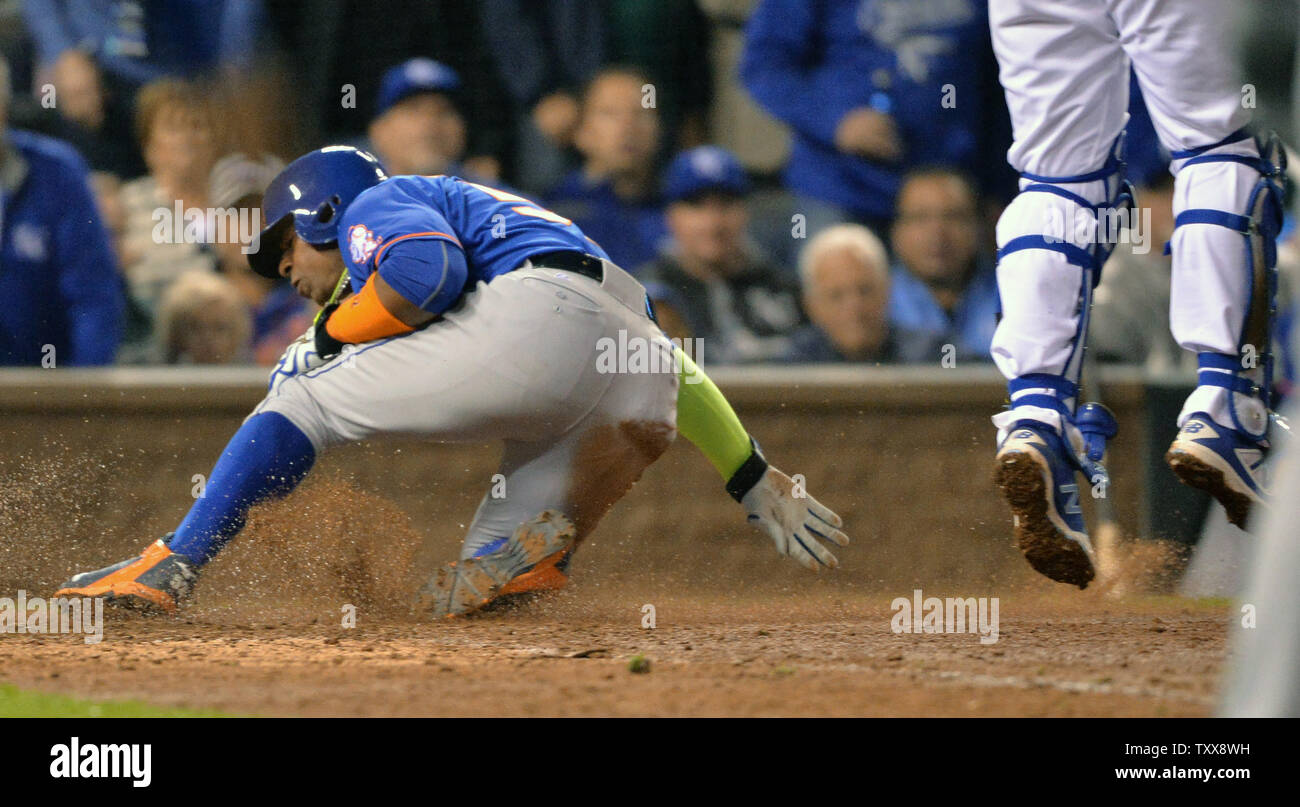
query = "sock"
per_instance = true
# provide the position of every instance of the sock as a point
(266, 458)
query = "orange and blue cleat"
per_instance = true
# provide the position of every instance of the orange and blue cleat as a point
(532, 560)
(155, 580)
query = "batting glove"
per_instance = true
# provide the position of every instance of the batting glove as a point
(299, 357)
(796, 522)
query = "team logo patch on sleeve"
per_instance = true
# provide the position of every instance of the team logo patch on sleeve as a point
(362, 243)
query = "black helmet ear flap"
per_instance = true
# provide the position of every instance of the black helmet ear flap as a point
(325, 213)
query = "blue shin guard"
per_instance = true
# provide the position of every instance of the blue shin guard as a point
(1227, 456)
(1094, 240)
(1250, 372)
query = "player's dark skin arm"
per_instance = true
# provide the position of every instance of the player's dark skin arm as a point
(315, 272)
(405, 310)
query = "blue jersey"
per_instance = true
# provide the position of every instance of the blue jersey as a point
(969, 326)
(633, 232)
(432, 238)
(64, 299)
(811, 63)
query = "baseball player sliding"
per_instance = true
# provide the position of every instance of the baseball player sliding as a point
(1065, 67)
(474, 314)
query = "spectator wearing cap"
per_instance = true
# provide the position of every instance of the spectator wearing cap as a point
(614, 196)
(844, 271)
(58, 275)
(708, 275)
(418, 127)
(944, 282)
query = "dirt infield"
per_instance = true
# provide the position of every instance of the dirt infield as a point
(738, 630)
(797, 654)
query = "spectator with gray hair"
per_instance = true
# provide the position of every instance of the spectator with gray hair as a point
(63, 295)
(844, 271)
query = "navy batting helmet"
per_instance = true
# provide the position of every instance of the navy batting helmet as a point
(312, 191)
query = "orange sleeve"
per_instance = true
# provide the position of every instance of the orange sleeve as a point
(363, 318)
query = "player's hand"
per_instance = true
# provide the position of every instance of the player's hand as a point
(869, 133)
(299, 357)
(797, 523)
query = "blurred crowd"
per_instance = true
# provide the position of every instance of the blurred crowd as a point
(792, 181)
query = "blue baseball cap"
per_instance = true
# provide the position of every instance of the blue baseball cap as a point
(702, 170)
(415, 76)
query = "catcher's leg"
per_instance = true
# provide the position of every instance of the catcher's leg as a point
(1066, 81)
(1227, 214)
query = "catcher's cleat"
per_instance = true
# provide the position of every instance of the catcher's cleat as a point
(1222, 462)
(156, 580)
(1037, 479)
(464, 586)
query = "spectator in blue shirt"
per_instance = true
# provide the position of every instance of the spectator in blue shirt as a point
(63, 296)
(870, 89)
(97, 53)
(943, 284)
(614, 196)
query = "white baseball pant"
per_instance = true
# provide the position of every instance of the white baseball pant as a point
(515, 361)
(1064, 65)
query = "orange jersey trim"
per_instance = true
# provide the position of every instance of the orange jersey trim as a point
(432, 234)
(363, 318)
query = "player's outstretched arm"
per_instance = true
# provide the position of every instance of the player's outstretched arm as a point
(797, 523)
